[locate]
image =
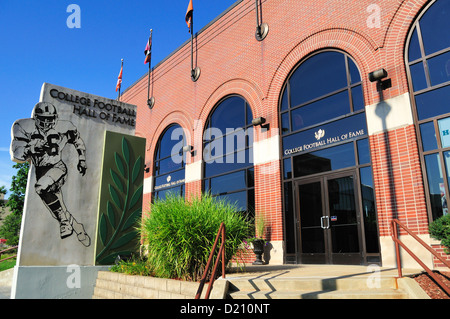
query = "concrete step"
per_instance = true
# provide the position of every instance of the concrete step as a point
(288, 284)
(336, 294)
(315, 288)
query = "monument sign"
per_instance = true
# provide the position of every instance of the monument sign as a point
(64, 140)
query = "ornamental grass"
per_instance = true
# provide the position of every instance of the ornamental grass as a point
(180, 234)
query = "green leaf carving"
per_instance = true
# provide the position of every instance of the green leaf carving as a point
(136, 169)
(115, 197)
(126, 150)
(120, 165)
(136, 196)
(125, 239)
(111, 214)
(132, 219)
(103, 229)
(117, 225)
(115, 177)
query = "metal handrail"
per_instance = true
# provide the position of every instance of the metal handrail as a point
(3, 251)
(213, 274)
(394, 224)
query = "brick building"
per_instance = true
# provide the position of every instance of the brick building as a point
(290, 126)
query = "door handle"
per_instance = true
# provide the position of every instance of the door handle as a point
(327, 223)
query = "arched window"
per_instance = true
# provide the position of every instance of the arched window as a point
(327, 174)
(323, 96)
(169, 171)
(428, 60)
(228, 153)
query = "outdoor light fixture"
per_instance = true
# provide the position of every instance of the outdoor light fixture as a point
(378, 76)
(261, 28)
(260, 121)
(188, 149)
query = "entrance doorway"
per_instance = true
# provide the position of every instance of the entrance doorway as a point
(329, 220)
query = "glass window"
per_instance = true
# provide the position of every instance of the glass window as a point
(287, 168)
(284, 100)
(170, 142)
(444, 131)
(324, 87)
(414, 47)
(436, 188)
(433, 103)
(228, 153)
(225, 114)
(363, 151)
(428, 134)
(418, 76)
(435, 26)
(228, 182)
(321, 74)
(285, 123)
(328, 159)
(369, 211)
(354, 72)
(439, 67)
(169, 170)
(357, 98)
(330, 107)
(289, 217)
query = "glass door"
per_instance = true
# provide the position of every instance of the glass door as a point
(329, 220)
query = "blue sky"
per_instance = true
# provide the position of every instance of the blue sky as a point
(38, 46)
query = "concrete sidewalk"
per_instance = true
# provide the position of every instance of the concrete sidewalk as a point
(6, 278)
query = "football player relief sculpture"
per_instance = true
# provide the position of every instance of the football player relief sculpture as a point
(41, 139)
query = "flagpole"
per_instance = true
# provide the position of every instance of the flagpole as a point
(195, 72)
(121, 68)
(150, 101)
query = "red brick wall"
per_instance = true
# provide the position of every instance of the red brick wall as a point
(440, 250)
(398, 180)
(233, 62)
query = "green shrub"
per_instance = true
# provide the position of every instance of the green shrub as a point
(180, 234)
(133, 266)
(440, 229)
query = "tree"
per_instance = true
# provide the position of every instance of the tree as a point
(2, 191)
(10, 230)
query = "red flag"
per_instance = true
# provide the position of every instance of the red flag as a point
(119, 78)
(189, 14)
(148, 50)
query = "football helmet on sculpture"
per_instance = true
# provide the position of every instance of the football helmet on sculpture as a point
(45, 115)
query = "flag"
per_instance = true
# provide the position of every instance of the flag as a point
(119, 78)
(148, 49)
(189, 14)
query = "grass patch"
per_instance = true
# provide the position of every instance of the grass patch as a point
(7, 264)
